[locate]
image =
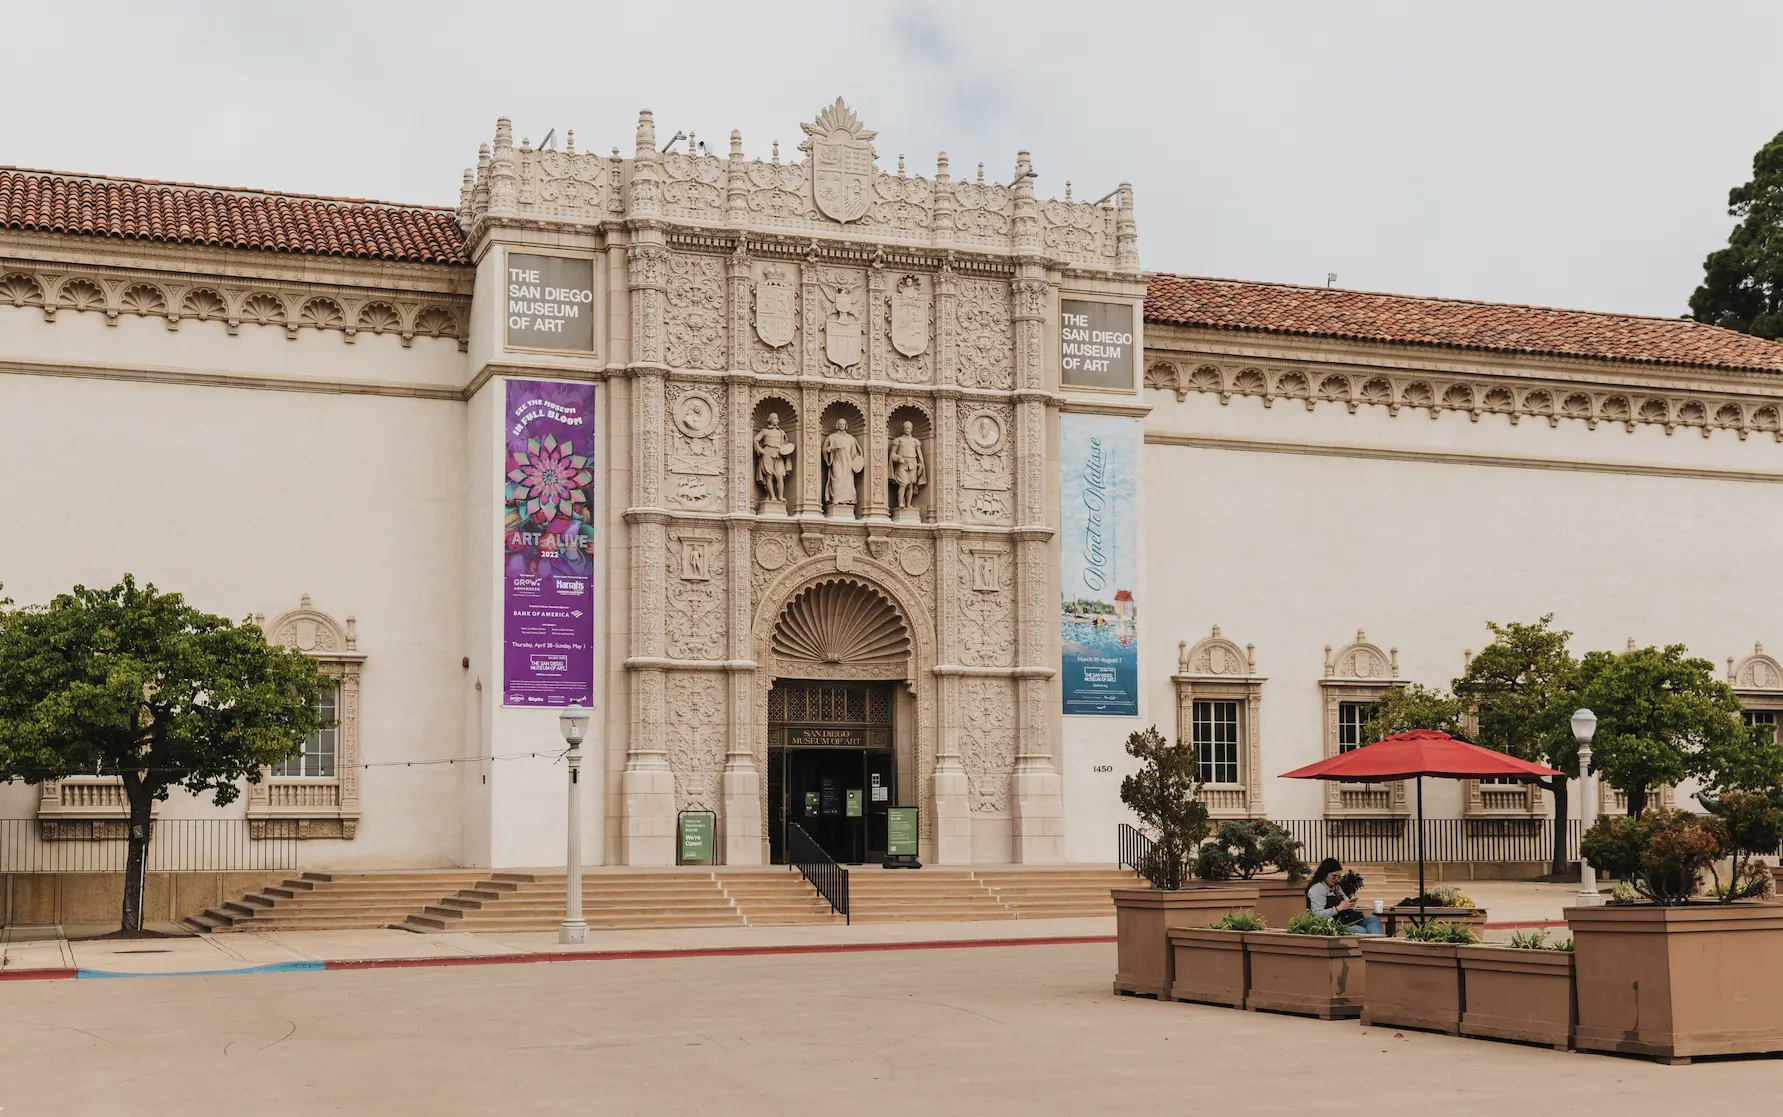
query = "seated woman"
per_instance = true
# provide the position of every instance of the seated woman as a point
(1327, 898)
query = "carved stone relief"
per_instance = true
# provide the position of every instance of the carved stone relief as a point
(842, 169)
(695, 462)
(695, 314)
(987, 741)
(986, 602)
(1757, 671)
(776, 320)
(695, 627)
(986, 342)
(695, 739)
(845, 311)
(985, 452)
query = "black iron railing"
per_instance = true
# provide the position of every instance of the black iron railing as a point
(32, 845)
(1446, 840)
(1140, 853)
(830, 879)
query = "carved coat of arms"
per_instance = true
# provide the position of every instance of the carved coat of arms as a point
(775, 315)
(842, 164)
(909, 318)
(842, 332)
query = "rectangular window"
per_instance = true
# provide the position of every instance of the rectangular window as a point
(317, 758)
(1216, 741)
(1761, 717)
(1351, 717)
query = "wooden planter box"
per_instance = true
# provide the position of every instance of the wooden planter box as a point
(1144, 964)
(1521, 995)
(1412, 985)
(1312, 975)
(1280, 900)
(1673, 983)
(1209, 966)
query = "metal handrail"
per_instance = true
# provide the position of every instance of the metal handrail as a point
(1135, 847)
(830, 879)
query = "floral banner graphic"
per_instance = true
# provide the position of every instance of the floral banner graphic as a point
(1099, 559)
(548, 544)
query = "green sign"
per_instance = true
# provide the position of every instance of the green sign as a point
(900, 831)
(854, 802)
(811, 801)
(696, 838)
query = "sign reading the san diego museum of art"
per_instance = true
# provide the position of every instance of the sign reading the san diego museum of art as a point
(1096, 345)
(550, 302)
(548, 545)
(1099, 652)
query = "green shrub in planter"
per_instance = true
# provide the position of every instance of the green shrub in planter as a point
(1244, 847)
(1538, 940)
(1456, 934)
(1306, 923)
(1241, 921)
(1661, 854)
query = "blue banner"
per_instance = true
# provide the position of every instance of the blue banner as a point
(1099, 559)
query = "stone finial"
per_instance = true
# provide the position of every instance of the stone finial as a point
(1361, 637)
(1630, 644)
(1182, 657)
(736, 143)
(776, 153)
(502, 177)
(981, 174)
(1393, 662)
(900, 164)
(1250, 659)
(646, 133)
(569, 142)
(352, 633)
(1067, 190)
(1126, 232)
(941, 167)
(1730, 669)
(467, 192)
(1330, 667)
(1216, 630)
(504, 132)
(304, 602)
(1757, 647)
(525, 143)
(736, 189)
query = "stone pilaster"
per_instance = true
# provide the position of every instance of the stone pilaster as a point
(953, 807)
(878, 449)
(647, 786)
(741, 782)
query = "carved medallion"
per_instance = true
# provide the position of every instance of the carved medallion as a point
(770, 552)
(775, 313)
(985, 432)
(909, 318)
(841, 163)
(696, 414)
(914, 560)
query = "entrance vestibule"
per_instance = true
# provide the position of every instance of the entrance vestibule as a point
(832, 768)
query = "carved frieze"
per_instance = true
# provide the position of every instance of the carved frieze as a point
(694, 739)
(986, 344)
(987, 741)
(695, 312)
(985, 453)
(845, 313)
(695, 460)
(1514, 400)
(842, 169)
(986, 604)
(695, 627)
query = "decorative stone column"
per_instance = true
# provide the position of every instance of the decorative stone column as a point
(1037, 791)
(741, 782)
(953, 813)
(647, 784)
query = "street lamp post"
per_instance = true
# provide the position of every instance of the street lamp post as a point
(574, 723)
(1584, 727)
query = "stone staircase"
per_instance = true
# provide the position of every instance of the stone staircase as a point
(334, 901)
(614, 899)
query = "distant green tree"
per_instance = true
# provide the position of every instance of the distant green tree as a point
(1742, 287)
(135, 683)
(1661, 716)
(1520, 689)
(1414, 706)
(1166, 794)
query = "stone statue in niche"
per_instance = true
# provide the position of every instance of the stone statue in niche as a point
(907, 472)
(773, 459)
(842, 459)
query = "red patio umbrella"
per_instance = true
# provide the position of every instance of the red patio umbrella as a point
(1413, 755)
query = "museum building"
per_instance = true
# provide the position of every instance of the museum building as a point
(835, 489)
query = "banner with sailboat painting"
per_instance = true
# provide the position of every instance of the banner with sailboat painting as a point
(1099, 611)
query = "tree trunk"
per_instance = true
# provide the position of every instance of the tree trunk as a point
(142, 802)
(1557, 785)
(1637, 801)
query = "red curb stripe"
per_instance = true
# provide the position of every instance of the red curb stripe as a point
(56, 974)
(703, 952)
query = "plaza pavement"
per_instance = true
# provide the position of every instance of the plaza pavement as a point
(987, 1031)
(65, 951)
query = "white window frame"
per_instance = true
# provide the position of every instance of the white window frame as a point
(1217, 670)
(1359, 672)
(283, 806)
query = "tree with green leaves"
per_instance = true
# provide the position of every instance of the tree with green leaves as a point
(1520, 688)
(1663, 715)
(1742, 287)
(1166, 794)
(1415, 706)
(135, 683)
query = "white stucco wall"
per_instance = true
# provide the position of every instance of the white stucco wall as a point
(245, 500)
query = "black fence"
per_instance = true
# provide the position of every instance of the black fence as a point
(830, 879)
(31, 845)
(1365, 841)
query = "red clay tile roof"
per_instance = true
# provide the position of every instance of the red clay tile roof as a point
(136, 209)
(1227, 304)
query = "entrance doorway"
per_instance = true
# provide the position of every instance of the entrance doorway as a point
(831, 767)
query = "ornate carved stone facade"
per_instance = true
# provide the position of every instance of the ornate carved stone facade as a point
(1216, 670)
(822, 291)
(1355, 678)
(327, 805)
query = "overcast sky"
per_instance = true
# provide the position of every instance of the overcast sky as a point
(1573, 154)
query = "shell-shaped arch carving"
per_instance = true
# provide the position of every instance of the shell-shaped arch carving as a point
(144, 299)
(80, 294)
(202, 303)
(1757, 671)
(1361, 659)
(1216, 655)
(436, 321)
(322, 313)
(20, 289)
(309, 630)
(841, 625)
(379, 318)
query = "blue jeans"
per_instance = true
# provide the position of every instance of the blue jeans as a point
(1370, 925)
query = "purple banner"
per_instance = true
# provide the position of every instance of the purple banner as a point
(548, 540)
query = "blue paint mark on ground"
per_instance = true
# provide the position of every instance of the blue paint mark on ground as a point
(271, 967)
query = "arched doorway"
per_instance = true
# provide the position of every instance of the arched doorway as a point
(840, 651)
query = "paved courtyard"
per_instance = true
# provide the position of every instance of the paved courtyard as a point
(984, 1030)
